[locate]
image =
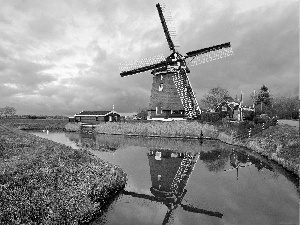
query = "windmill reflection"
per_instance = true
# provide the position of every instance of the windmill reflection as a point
(238, 160)
(170, 172)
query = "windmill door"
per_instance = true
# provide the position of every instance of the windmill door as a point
(158, 110)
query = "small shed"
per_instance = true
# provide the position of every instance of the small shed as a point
(95, 117)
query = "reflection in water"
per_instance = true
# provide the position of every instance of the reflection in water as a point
(170, 172)
(238, 159)
(214, 154)
(186, 182)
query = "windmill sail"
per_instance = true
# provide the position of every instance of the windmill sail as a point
(169, 31)
(143, 69)
(206, 50)
(186, 94)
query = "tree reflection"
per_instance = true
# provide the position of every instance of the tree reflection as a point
(215, 160)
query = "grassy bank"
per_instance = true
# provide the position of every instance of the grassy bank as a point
(43, 182)
(35, 124)
(279, 143)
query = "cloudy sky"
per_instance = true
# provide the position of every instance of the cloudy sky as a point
(61, 57)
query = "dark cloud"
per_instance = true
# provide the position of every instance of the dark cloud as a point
(265, 47)
(46, 28)
(62, 56)
(23, 78)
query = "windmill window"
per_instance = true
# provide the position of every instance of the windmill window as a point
(158, 110)
(158, 177)
(161, 87)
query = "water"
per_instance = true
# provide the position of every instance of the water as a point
(216, 183)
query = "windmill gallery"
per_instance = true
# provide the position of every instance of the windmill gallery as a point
(172, 95)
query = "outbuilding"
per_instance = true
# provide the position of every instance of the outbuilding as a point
(227, 108)
(95, 117)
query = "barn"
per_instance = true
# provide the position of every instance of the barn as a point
(95, 117)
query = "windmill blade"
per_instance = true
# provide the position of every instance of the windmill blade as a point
(167, 217)
(206, 50)
(169, 33)
(143, 69)
(144, 196)
(186, 94)
(203, 211)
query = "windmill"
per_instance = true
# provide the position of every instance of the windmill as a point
(171, 91)
(170, 173)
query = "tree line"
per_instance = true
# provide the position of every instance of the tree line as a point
(284, 107)
(7, 111)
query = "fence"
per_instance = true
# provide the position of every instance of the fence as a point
(249, 132)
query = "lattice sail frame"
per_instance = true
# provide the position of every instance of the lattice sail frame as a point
(186, 94)
(133, 65)
(170, 27)
(183, 173)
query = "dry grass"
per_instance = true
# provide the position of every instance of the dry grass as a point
(164, 129)
(35, 124)
(72, 127)
(280, 143)
(42, 182)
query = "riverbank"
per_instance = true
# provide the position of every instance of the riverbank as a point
(43, 182)
(34, 124)
(279, 143)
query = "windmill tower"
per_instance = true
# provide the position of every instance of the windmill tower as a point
(171, 94)
(170, 172)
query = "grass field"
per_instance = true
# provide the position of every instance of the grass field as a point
(43, 182)
(293, 123)
(35, 124)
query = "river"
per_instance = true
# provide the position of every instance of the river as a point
(191, 182)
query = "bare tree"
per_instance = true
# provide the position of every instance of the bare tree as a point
(8, 111)
(286, 107)
(215, 96)
(1, 112)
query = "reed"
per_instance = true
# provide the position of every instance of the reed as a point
(163, 129)
(72, 127)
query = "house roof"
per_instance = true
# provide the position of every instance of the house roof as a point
(232, 105)
(95, 113)
(228, 99)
